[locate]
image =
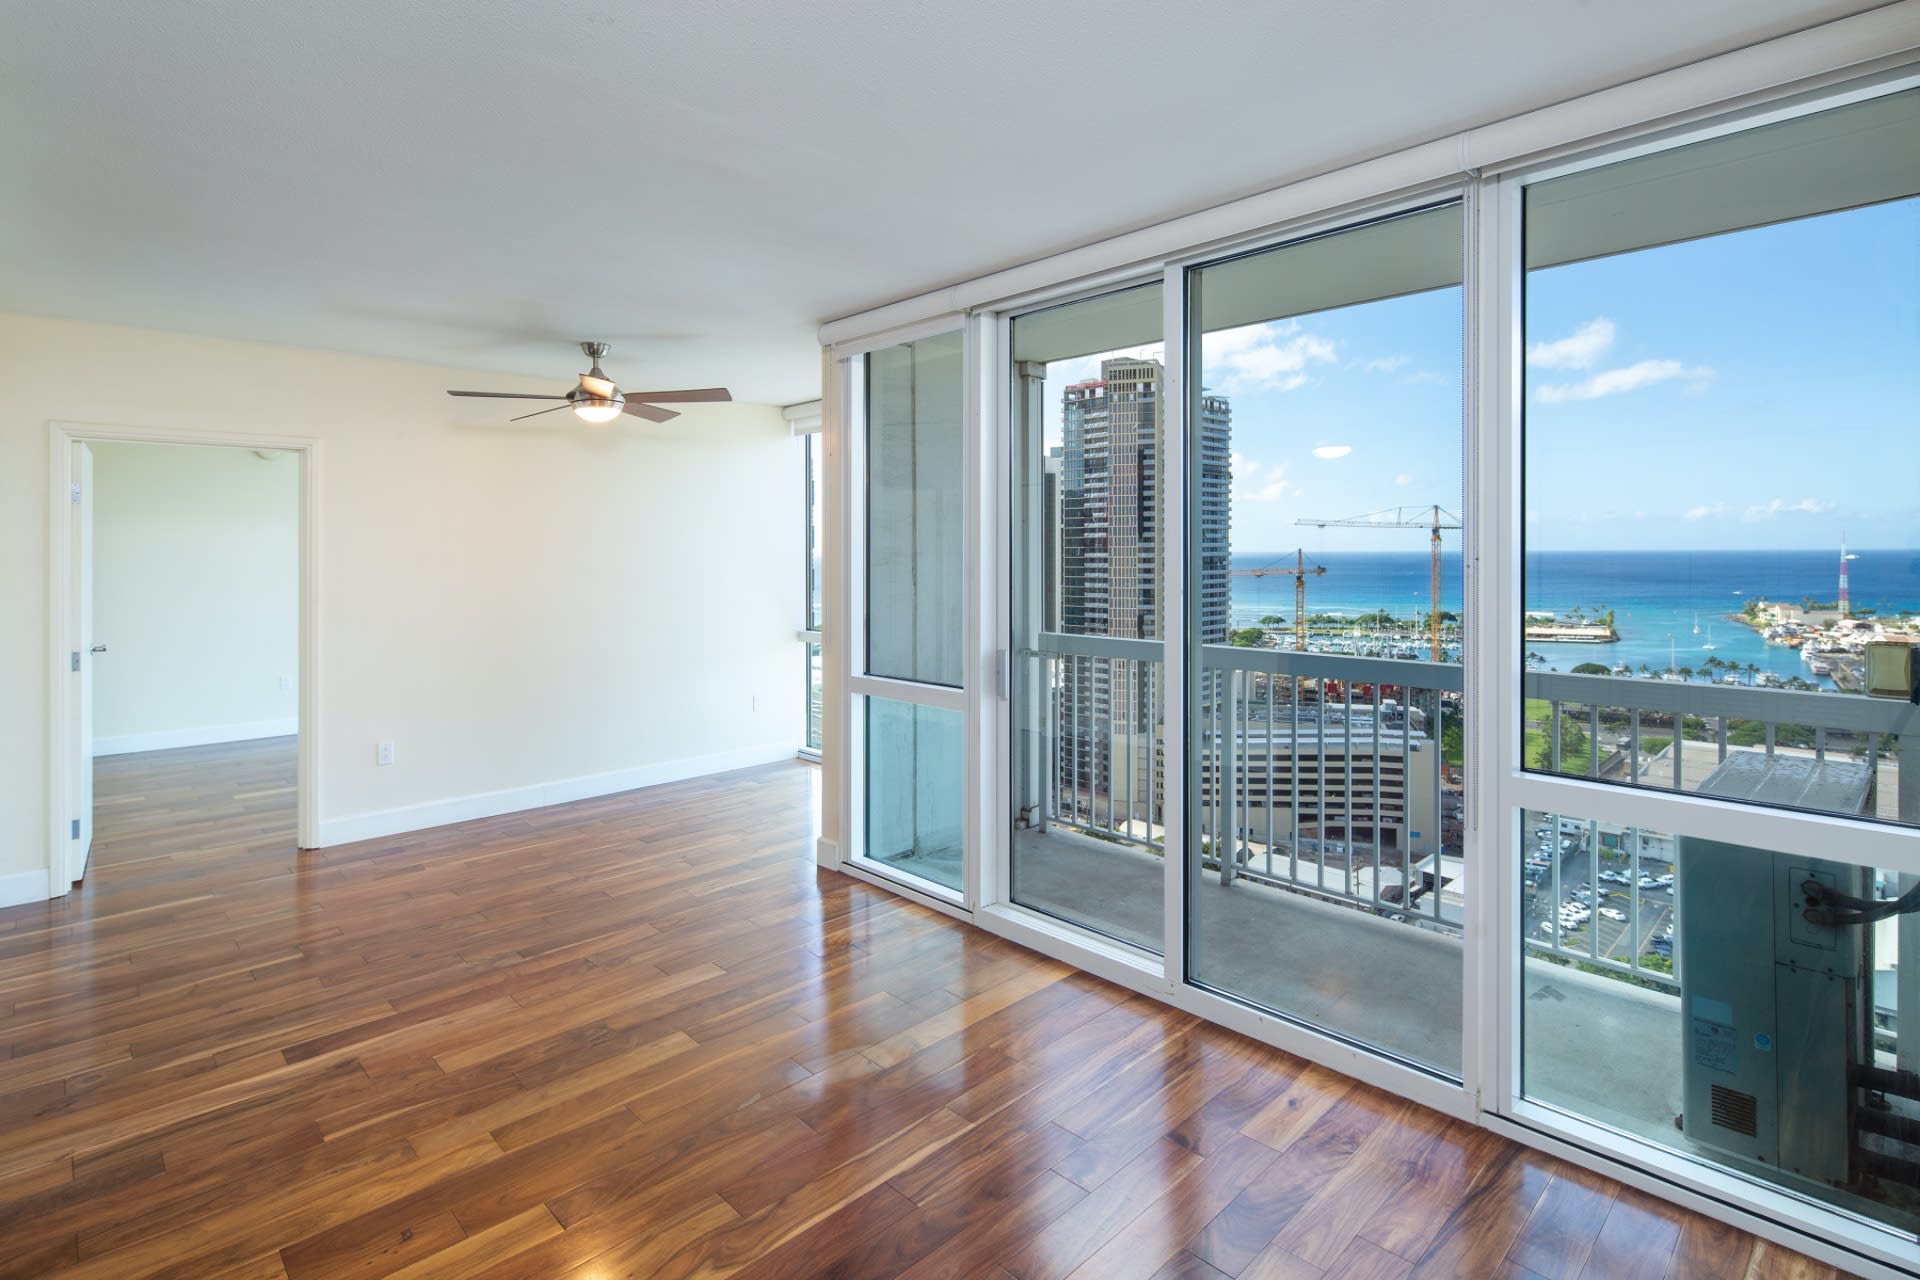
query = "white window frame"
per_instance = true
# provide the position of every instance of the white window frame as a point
(1771, 1211)
(1854, 58)
(848, 657)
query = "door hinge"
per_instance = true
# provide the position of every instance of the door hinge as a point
(76, 830)
(73, 494)
(76, 659)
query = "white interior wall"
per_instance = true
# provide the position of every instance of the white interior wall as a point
(196, 594)
(530, 612)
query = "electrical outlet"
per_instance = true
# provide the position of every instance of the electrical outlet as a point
(383, 753)
(286, 683)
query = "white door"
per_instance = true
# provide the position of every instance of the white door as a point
(82, 790)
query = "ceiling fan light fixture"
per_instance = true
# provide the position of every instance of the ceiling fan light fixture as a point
(596, 411)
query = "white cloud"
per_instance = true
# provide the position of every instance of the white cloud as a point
(1581, 350)
(1634, 376)
(1780, 506)
(1275, 487)
(1263, 357)
(1243, 466)
(1332, 451)
(1403, 479)
(1706, 512)
(1386, 364)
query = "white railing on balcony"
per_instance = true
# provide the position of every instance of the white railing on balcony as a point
(1701, 724)
(1325, 774)
(1280, 734)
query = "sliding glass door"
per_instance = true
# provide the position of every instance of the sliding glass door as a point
(1326, 873)
(1088, 574)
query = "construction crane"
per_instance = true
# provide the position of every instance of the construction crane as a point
(1299, 573)
(1435, 518)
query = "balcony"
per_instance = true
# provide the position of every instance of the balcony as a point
(1333, 867)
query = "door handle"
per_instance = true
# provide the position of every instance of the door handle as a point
(99, 648)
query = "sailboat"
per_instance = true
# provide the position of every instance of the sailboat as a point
(1709, 644)
(1696, 624)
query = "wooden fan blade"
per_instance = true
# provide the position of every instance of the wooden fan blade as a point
(502, 395)
(647, 411)
(698, 395)
(537, 412)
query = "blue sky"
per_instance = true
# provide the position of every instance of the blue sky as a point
(1746, 391)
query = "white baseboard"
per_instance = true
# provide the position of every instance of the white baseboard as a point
(488, 804)
(23, 886)
(826, 853)
(202, 736)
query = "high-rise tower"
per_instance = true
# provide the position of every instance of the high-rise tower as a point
(1112, 519)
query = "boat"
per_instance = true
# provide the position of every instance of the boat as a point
(1696, 624)
(1709, 644)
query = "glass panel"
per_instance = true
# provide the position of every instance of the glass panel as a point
(1087, 565)
(1703, 997)
(915, 525)
(1326, 872)
(915, 780)
(1721, 543)
(814, 473)
(813, 697)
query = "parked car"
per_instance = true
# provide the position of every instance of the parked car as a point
(1663, 946)
(1613, 913)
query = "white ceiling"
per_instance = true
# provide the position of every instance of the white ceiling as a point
(701, 183)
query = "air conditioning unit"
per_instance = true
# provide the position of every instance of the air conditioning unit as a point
(1775, 1008)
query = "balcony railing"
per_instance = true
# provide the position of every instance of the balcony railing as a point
(1327, 775)
(1318, 774)
(1672, 735)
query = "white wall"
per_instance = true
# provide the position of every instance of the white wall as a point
(196, 594)
(528, 612)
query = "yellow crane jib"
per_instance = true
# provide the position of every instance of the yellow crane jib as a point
(1300, 572)
(1433, 517)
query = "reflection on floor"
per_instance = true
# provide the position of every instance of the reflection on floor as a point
(555, 1042)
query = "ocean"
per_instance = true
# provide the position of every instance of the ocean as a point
(1658, 597)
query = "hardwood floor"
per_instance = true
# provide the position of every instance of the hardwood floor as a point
(644, 1036)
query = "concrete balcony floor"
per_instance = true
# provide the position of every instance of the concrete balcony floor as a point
(1604, 1049)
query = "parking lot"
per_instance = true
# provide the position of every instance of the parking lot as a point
(1607, 917)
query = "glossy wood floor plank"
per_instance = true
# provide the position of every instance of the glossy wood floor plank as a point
(642, 1035)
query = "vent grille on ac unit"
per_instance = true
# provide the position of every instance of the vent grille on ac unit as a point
(1735, 1110)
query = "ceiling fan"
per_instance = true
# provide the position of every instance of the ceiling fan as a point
(597, 400)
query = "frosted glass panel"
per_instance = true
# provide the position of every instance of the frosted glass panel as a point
(914, 516)
(915, 778)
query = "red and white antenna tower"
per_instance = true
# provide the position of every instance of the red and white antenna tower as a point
(1845, 608)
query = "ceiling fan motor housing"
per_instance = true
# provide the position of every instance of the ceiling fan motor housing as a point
(594, 386)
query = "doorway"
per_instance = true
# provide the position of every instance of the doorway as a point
(182, 622)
